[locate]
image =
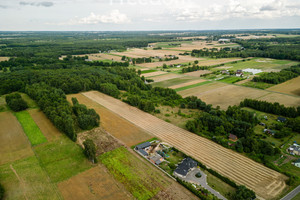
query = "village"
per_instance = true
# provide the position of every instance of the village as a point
(175, 164)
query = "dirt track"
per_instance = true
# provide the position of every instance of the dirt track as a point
(264, 181)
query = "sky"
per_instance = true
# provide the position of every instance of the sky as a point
(129, 15)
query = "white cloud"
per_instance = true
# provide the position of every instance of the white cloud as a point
(239, 9)
(43, 3)
(114, 17)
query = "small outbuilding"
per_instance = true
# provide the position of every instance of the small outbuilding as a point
(297, 163)
(281, 119)
(233, 138)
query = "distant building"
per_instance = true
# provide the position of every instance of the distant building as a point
(224, 40)
(294, 149)
(269, 131)
(233, 138)
(185, 167)
(262, 124)
(239, 73)
(281, 119)
(297, 163)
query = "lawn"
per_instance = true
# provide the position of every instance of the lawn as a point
(259, 85)
(31, 103)
(30, 128)
(25, 179)
(191, 86)
(62, 159)
(219, 185)
(138, 178)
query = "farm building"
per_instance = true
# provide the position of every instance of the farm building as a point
(294, 149)
(281, 119)
(185, 167)
(233, 138)
(297, 163)
(141, 148)
(239, 73)
(269, 131)
(157, 159)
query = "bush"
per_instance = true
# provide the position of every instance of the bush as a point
(244, 193)
(15, 102)
(90, 150)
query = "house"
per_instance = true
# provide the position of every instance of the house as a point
(239, 73)
(185, 167)
(266, 117)
(269, 131)
(294, 149)
(141, 148)
(225, 72)
(281, 119)
(157, 159)
(297, 163)
(262, 124)
(233, 138)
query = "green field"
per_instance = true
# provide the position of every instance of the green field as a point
(258, 63)
(62, 159)
(259, 85)
(148, 71)
(192, 86)
(32, 181)
(134, 174)
(231, 79)
(174, 81)
(30, 128)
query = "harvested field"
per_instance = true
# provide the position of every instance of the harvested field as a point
(217, 61)
(94, 184)
(114, 124)
(4, 59)
(101, 56)
(230, 95)
(201, 89)
(13, 141)
(265, 182)
(138, 53)
(103, 140)
(153, 74)
(187, 84)
(290, 87)
(45, 125)
(286, 100)
(25, 179)
(165, 77)
(197, 45)
(198, 73)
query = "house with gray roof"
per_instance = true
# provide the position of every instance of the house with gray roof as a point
(185, 167)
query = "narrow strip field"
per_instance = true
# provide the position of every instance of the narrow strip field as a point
(165, 77)
(13, 141)
(156, 73)
(32, 131)
(192, 86)
(187, 84)
(265, 182)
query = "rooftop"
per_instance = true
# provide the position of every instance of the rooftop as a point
(143, 146)
(185, 166)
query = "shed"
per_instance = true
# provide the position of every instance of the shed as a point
(233, 138)
(281, 119)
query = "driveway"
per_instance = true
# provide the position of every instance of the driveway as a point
(191, 177)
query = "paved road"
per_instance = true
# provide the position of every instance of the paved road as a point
(191, 177)
(292, 194)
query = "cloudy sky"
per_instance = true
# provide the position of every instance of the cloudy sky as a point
(103, 15)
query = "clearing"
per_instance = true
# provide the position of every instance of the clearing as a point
(114, 124)
(288, 87)
(265, 182)
(32, 131)
(13, 141)
(93, 184)
(4, 59)
(103, 140)
(45, 125)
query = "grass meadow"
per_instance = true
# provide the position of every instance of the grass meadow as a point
(30, 128)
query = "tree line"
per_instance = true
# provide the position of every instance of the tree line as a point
(278, 77)
(16, 102)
